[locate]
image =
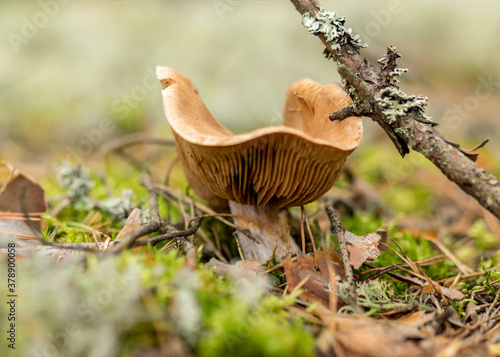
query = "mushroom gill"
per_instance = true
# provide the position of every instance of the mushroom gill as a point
(268, 168)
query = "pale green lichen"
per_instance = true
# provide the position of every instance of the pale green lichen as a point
(396, 103)
(332, 26)
(118, 208)
(77, 182)
(379, 295)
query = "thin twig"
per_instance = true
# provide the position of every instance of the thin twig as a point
(195, 224)
(468, 276)
(336, 228)
(384, 270)
(170, 192)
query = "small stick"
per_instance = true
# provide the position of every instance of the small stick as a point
(170, 192)
(336, 228)
(467, 276)
(239, 246)
(217, 251)
(384, 270)
(177, 234)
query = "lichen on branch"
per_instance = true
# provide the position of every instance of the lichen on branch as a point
(401, 116)
(332, 26)
(395, 102)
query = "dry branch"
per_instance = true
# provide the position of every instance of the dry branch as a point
(411, 129)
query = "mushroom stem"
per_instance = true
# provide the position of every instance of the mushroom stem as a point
(265, 227)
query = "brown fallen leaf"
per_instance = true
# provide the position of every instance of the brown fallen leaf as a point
(362, 248)
(22, 201)
(312, 274)
(363, 336)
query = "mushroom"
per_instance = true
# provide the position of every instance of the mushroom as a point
(258, 173)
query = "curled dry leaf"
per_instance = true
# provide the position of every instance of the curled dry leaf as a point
(362, 248)
(311, 273)
(22, 201)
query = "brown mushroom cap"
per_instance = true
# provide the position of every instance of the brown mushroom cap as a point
(278, 166)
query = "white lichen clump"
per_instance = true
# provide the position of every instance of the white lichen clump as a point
(332, 26)
(396, 103)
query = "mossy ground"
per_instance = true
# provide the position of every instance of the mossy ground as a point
(160, 300)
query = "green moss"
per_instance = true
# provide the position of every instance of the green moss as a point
(115, 304)
(240, 329)
(409, 199)
(483, 238)
(416, 248)
(361, 223)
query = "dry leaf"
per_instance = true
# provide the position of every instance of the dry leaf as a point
(311, 273)
(363, 336)
(133, 222)
(362, 248)
(22, 201)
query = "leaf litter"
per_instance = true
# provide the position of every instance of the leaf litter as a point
(407, 311)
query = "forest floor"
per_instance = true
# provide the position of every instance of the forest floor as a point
(434, 289)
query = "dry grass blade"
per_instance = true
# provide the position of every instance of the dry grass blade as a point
(169, 192)
(383, 270)
(463, 268)
(408, 261)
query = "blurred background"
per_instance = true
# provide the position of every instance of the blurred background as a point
(74, 74)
